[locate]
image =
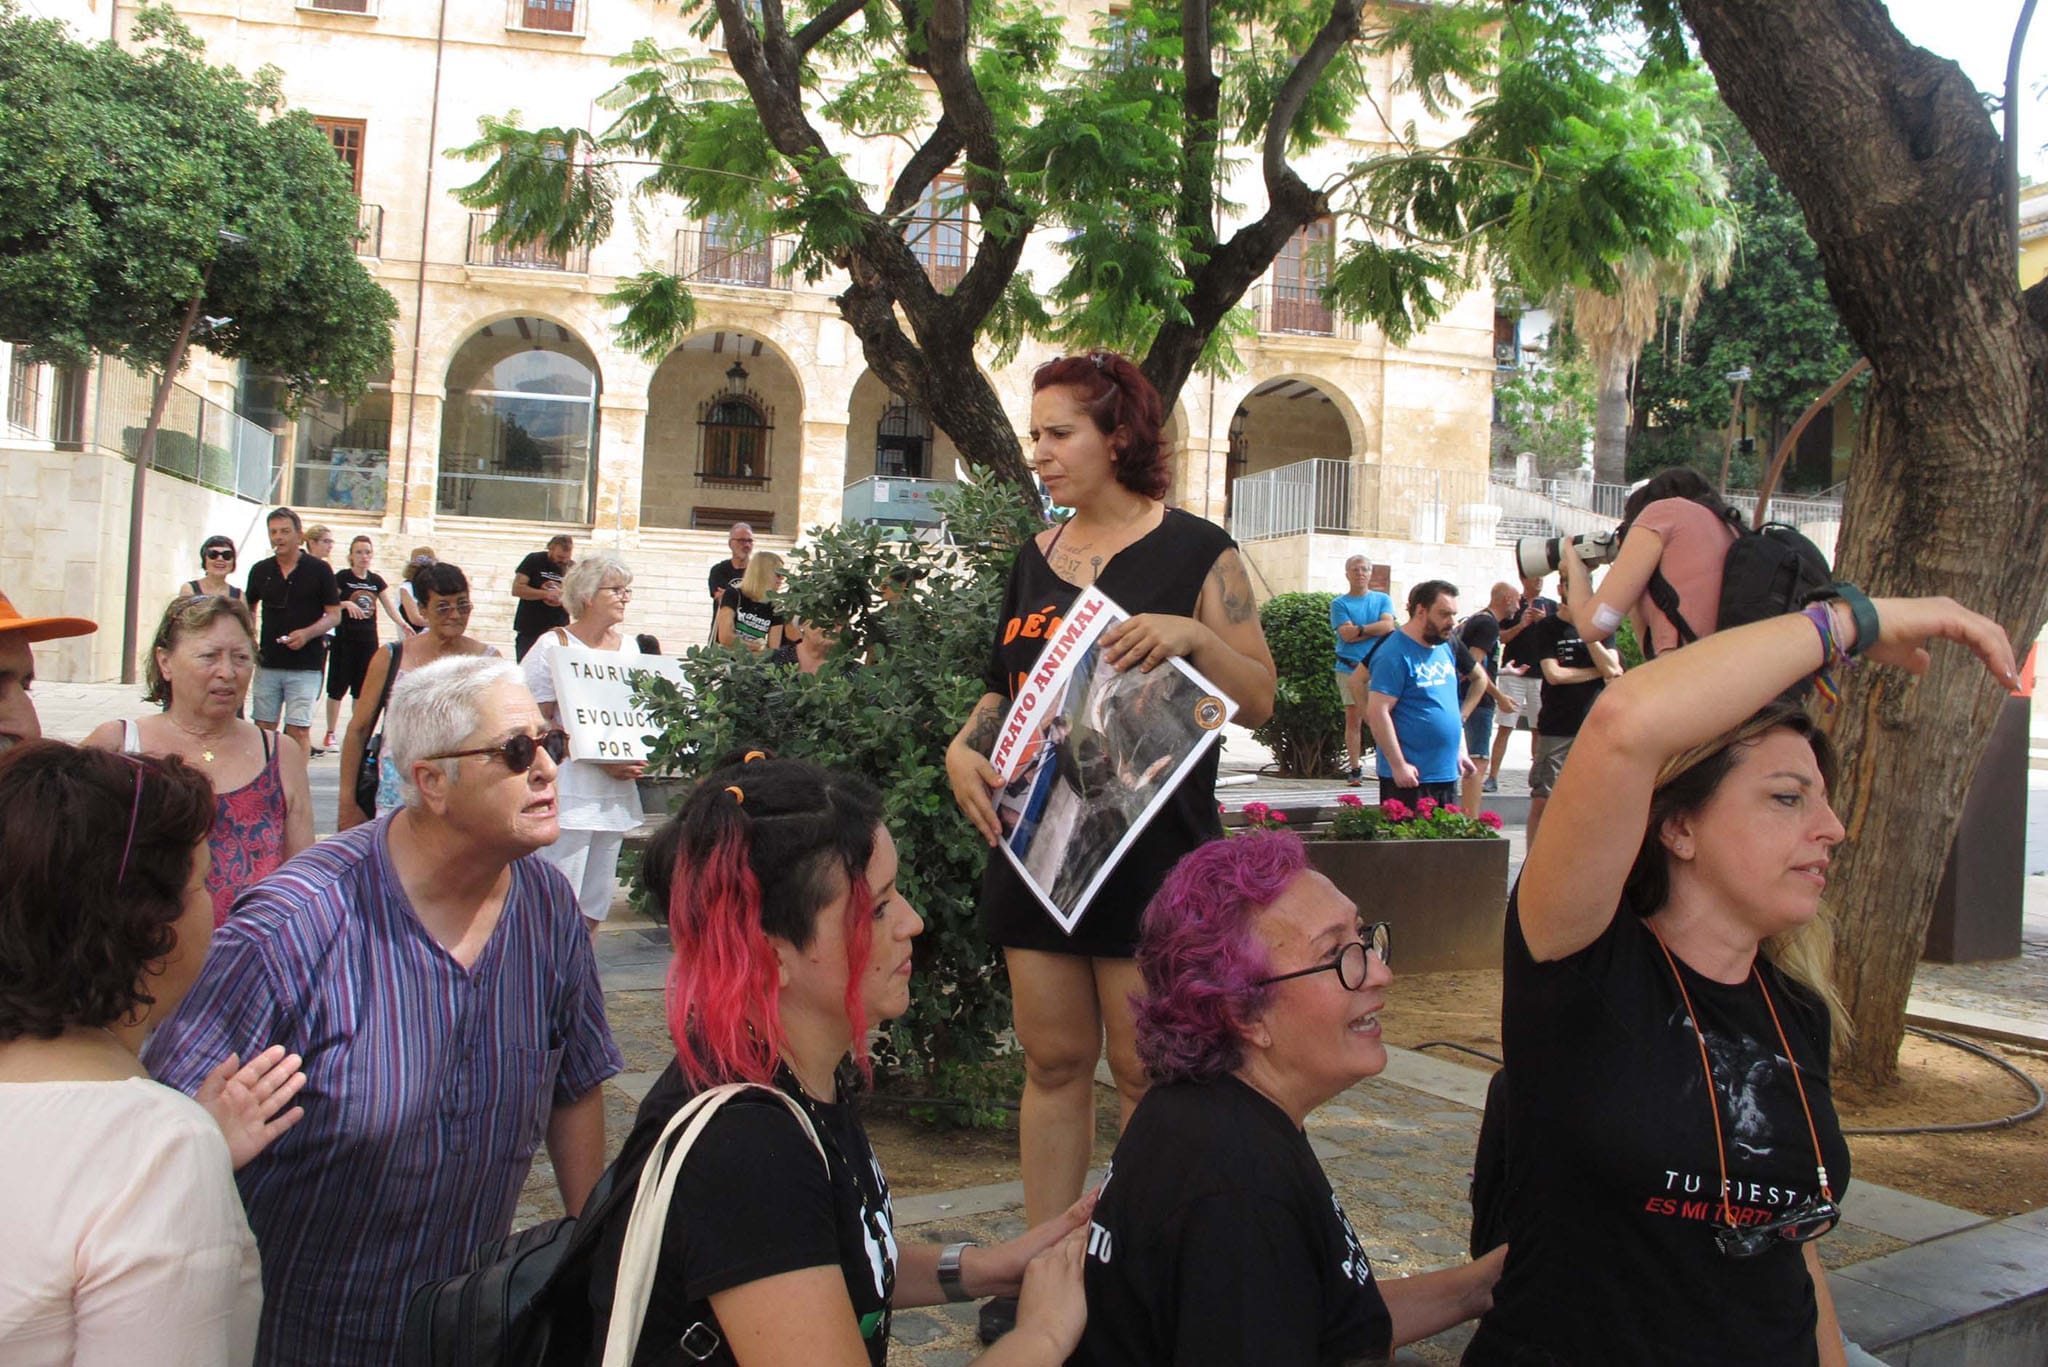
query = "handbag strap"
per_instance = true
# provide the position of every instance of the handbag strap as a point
(384, 694)
(642, 1248)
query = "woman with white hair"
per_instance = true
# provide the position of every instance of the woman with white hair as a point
(598, 802)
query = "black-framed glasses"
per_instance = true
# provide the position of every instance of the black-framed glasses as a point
(1350, 965)
(519, 751)
(219, 553)
(1802, 1224)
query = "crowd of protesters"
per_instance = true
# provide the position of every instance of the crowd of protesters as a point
(258, 1091)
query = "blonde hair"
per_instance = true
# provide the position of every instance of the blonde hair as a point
(318, 530)
(188, 615)
(758, 583)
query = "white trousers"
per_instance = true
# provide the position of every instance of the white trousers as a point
(590, 861)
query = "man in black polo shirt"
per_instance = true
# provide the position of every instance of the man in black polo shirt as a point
(537, 584)
(726, 573)
(300, 604)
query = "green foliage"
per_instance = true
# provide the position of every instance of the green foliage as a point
(118, 170)
(1626, 646)
(1306, 731)
(1547, 412)
(889, 722)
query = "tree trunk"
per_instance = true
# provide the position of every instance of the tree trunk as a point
(1897, 168)
(1610, 421)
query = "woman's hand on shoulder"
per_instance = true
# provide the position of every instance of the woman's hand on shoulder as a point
(247, 1100)
(1053, 1305)
(999, 1269)
(1905, 626)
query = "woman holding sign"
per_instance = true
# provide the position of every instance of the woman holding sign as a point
(1097, 447)
(597, 802)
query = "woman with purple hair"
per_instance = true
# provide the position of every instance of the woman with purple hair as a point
(1217, 1238)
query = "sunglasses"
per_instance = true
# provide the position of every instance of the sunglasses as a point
(218, 554)
(1802, 1224)
(1350, 965)
(450, 607)
(519, 752)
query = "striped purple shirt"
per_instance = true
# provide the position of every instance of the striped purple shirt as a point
(428, 1085)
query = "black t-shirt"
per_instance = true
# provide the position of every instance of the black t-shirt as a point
(532, 616)
(752, 619)
(289, 603)
(1481, 632)
(1162, 571)
(1519, 650)
(1612, 1192)
(1217, 1240)
(753, 1201)
(363, 591)
(1563, 707)
(723, 576)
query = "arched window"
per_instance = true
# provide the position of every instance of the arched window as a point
(734, 450)
(903, 442)
(519, 428)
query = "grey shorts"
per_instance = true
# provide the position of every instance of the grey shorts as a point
(1527, 691)
(1546, 762)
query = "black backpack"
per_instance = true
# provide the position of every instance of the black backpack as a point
(1770, 571)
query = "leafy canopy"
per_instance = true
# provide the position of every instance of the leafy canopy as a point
(119, 168)
(1159, 146)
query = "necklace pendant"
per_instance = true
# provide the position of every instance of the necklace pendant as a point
(206, 755)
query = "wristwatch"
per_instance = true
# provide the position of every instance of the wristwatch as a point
(949, 1271)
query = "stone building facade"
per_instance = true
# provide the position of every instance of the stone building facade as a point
(511, 412)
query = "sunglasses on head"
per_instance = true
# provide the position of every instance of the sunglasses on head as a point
(519, 751)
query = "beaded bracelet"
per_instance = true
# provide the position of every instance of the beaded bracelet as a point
(1831, 653)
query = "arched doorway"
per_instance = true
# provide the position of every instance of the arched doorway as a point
(1291, 446)
(519, 427)
(724, 436)
(896, 457)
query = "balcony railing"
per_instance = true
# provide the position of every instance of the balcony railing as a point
(529, 256)
(366, 8)
(1572, 506)
(709, 256)
(887, 499)
(199, 440)
(369, 230)
(1297, 310)
(1336, 496)
(546, 16)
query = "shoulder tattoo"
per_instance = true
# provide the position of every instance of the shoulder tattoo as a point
(1233, 588)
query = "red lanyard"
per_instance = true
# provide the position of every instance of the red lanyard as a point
(1706, 1066)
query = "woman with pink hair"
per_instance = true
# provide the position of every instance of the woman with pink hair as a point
(1216, 1236)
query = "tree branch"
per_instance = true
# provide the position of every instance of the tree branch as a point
(995, 261)
(939, 151)
(823, 23)
(1203, 97)
(1340, 28)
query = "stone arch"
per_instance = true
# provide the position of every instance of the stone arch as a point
(895, 456)
(519, 429)
(700, 465)
(1284, 420)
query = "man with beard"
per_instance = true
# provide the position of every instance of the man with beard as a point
(1413, 704)
(18, 721)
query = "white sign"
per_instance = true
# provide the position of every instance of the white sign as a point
(595, 704)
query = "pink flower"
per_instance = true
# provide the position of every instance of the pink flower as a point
(1350, 800)
(1256, 811)
(1426, 805)
(1222, 810)
(1280, 817)
(1453, 808)
(1394, 809)
(1490, 819)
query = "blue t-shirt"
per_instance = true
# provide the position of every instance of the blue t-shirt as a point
(1423, 681)
(1361, 610)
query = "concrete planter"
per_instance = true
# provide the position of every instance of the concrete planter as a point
(660, 795)
(1446, 900)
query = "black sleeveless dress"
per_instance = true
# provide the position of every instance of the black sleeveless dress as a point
(1163, 572)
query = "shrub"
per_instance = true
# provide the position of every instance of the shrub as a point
(1306, 730)
(889, 722)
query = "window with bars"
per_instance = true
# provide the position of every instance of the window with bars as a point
(1299, 274)
(24, 391)
(736, 429)
(937, 231)
(347, 137)
(903, 442)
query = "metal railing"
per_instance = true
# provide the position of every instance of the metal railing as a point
(369, 230)
(1576, 506)
(546, 16)
(1296, 311)
(528, 256)
(199, 440)
(712, 256)
(1398, 501)
(888, 498)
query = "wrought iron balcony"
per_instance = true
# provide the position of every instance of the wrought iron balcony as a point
(527, 256)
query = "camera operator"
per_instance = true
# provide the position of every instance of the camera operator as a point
(1675, 527)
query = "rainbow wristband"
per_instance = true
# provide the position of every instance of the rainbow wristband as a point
(1831, 653)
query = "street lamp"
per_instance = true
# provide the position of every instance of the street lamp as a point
(736, 380)
(145, 455)
(1738, 378)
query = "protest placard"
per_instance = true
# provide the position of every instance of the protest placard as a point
(594, 700)
(1089, 753)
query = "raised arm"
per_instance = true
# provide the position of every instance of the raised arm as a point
(1598, 613)
(1571, 884)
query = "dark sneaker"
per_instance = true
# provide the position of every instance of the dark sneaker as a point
(998, 1317)
(1491, 785)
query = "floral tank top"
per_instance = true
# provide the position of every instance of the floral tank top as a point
(247, 839)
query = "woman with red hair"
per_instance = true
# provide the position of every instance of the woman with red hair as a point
(1096, 444)
(791, 938)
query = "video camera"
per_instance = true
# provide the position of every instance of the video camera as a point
(1541, 555)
